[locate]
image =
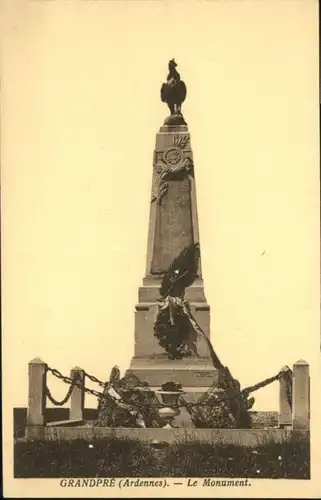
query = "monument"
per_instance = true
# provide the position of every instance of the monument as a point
(173, 234)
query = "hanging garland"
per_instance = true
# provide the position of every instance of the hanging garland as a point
(172, 326)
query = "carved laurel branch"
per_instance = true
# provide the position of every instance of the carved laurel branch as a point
(168, 173)
(180, 141)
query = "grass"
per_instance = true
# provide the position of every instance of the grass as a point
(111, 457)
(270, 460)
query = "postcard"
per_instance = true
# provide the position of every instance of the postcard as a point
(160, 248)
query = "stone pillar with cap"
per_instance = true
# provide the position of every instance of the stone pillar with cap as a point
(37, 374)
(301, 396)
(77, 398)
(285, 403)
(36, 397)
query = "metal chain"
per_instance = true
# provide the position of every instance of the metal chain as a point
(259, 385)
(59, 375)
(100, 395)
(95, 393)
(245, 391)
(95, 379)
(219, 398)
(71, 381)
(68, 380)
(63, 401)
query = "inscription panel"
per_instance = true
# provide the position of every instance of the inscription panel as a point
(173, 229)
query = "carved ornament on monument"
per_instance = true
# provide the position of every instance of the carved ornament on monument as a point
(167, 172)
(173, 163)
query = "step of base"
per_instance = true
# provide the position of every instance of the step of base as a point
(196, 373)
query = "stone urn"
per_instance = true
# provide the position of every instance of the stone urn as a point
(171, 410)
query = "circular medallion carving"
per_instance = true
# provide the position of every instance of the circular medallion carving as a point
(173, 156)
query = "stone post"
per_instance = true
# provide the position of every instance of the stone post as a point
(300, 402)
(36, 397)
(77, 398)
(285, 409)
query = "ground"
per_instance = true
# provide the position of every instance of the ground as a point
(128, 458)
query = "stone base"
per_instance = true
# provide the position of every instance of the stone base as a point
(146, 344)
(175, 119)
(191, 372)
(149, 292)
(239, 437)
(196, 375)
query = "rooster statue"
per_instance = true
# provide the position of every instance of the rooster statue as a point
(173, 92)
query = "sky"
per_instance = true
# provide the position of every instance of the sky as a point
(80, 110)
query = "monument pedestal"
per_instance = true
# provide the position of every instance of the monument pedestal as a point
(173, 225)
(195, 374)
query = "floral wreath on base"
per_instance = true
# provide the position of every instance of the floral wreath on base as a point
(173, 330)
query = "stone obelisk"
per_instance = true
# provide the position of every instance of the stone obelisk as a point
(173, 225)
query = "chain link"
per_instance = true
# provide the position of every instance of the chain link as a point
(259, 385)
(95, 379)
(58, 374)
(67, 380)
(95, 393)
(63, 401)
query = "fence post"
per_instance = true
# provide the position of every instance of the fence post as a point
(77, 399)
(285, 410)
(37, 375)
(301, 403)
